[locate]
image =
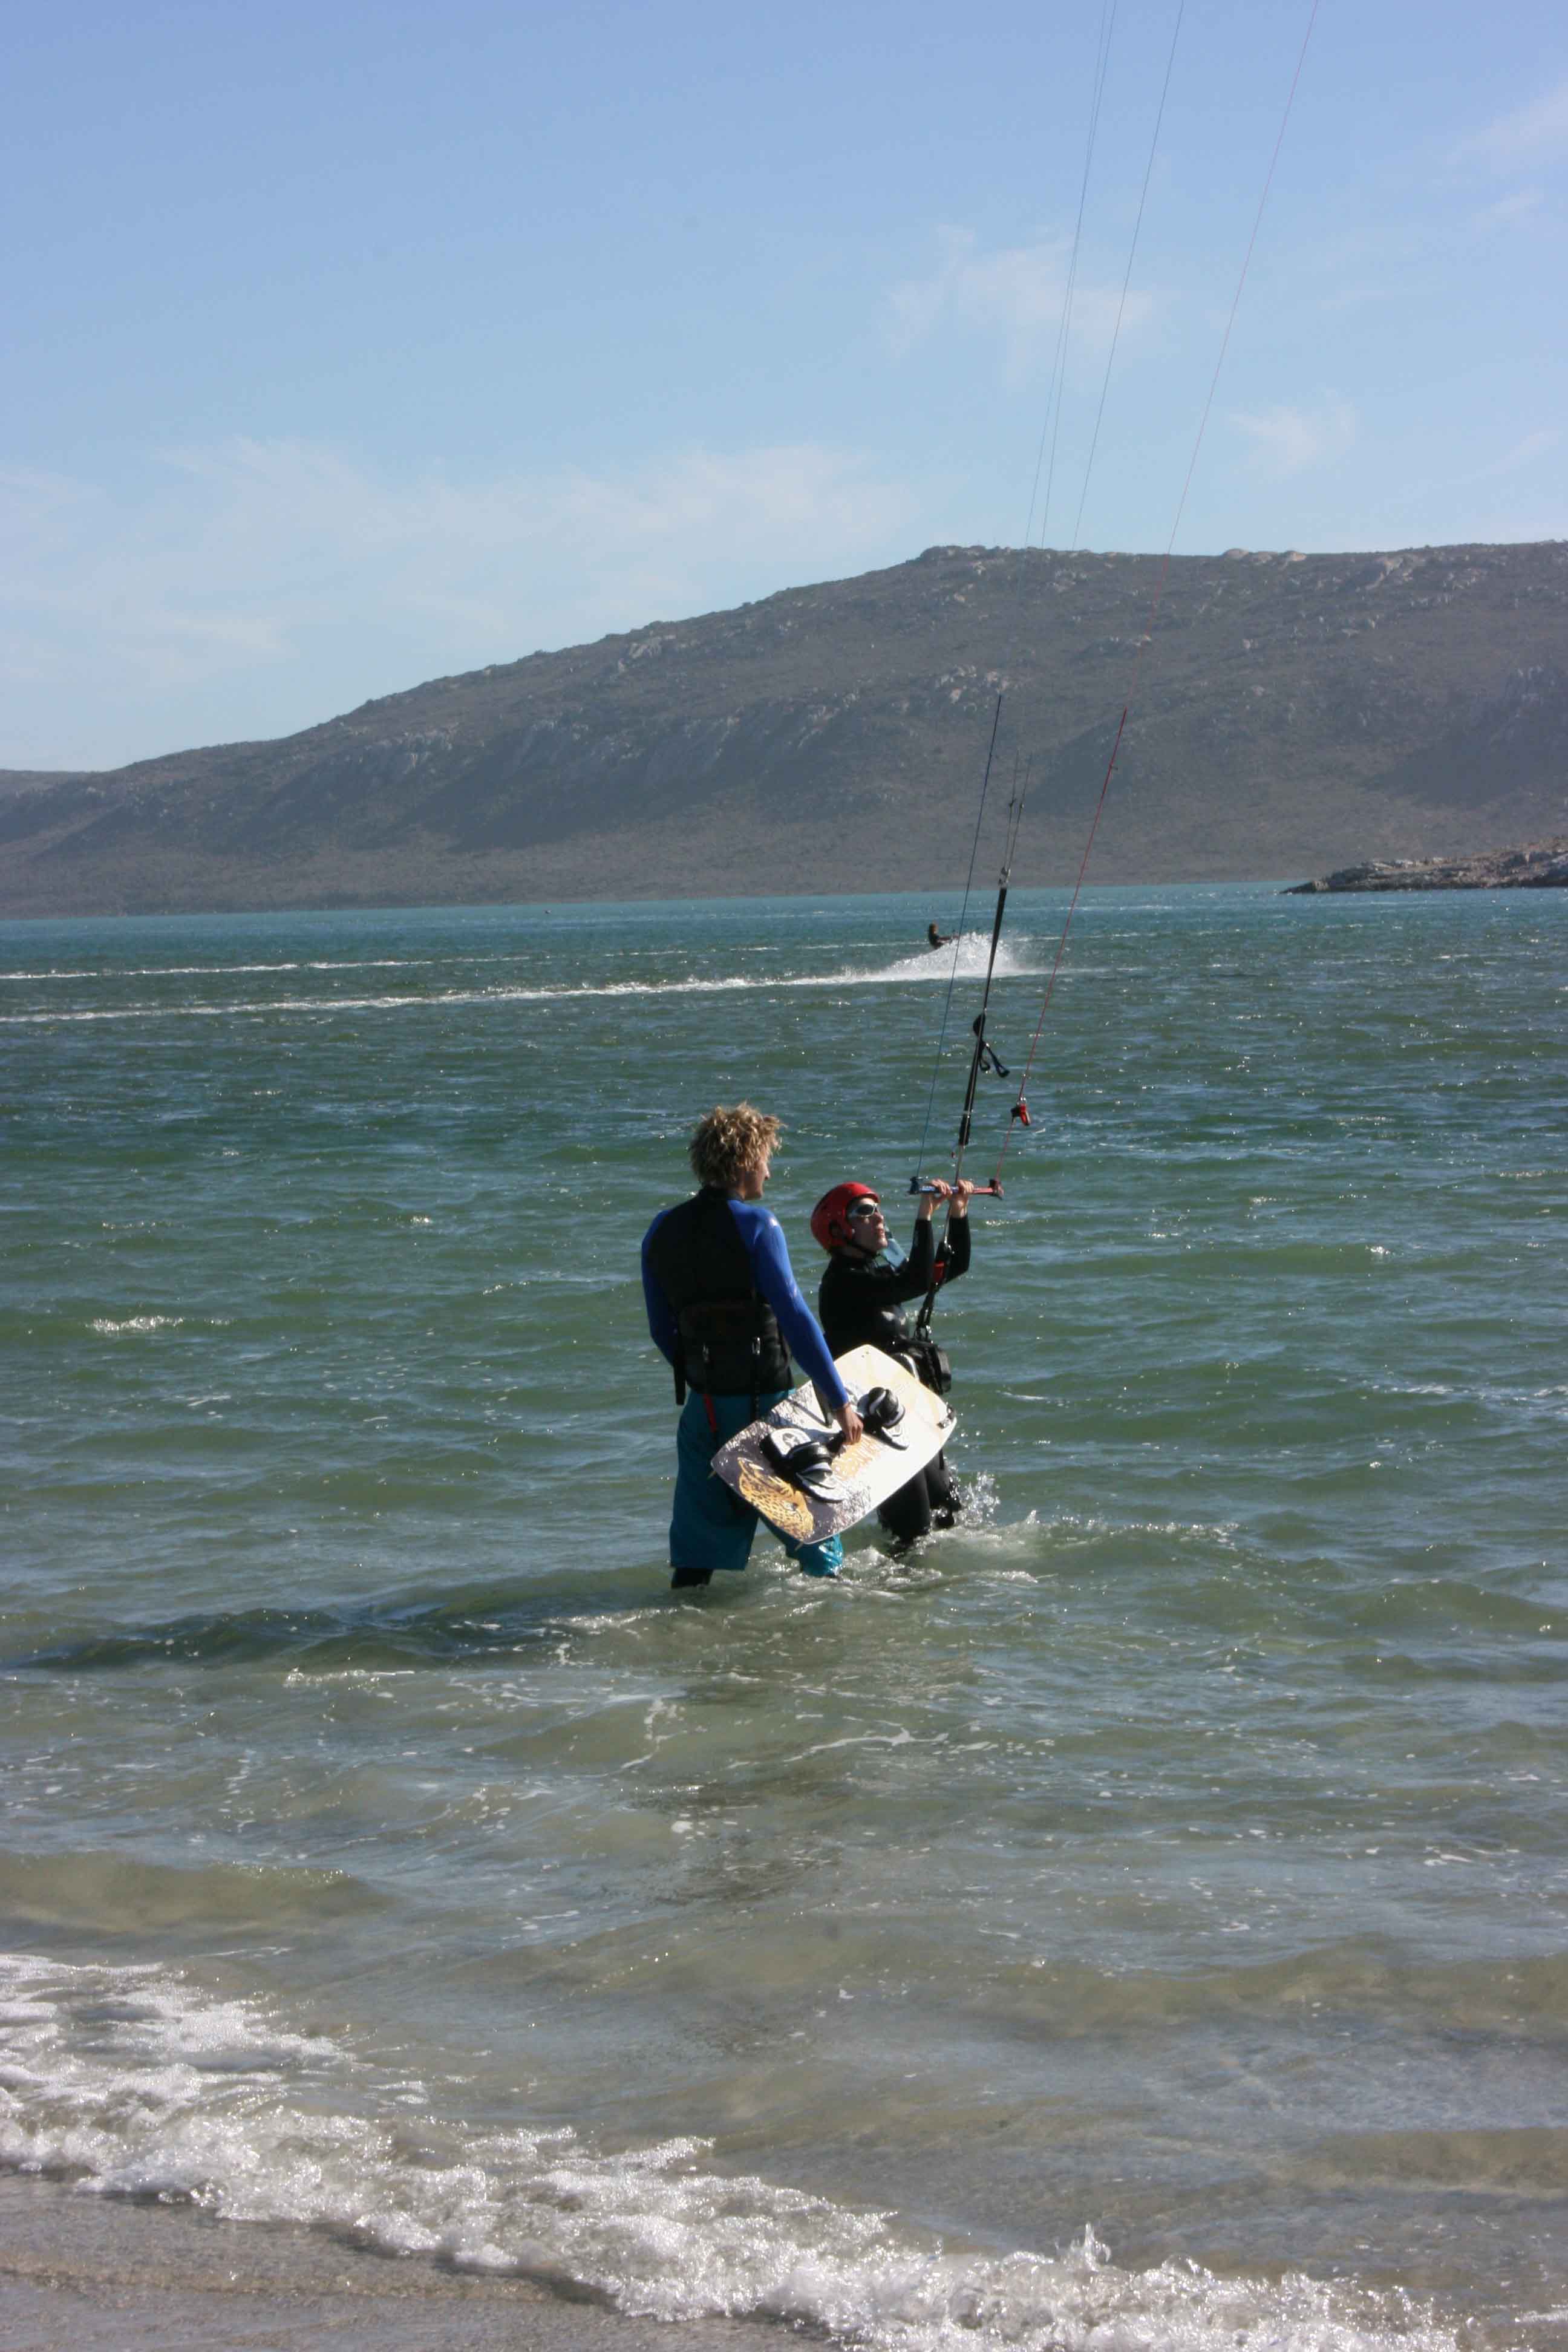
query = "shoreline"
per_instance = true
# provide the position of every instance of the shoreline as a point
(1534, 866)
(86, 2271)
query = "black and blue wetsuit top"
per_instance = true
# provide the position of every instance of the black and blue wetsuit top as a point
(723, 1304)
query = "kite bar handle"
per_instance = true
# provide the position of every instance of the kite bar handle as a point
(979, 1191)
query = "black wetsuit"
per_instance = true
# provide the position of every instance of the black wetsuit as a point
(861, 1303)
(722, 1306)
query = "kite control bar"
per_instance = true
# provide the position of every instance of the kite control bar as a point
(977, 1191)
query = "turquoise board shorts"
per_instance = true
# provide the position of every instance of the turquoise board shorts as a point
(709, 1526)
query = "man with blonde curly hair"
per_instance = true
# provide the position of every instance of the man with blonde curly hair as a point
(724, 1310)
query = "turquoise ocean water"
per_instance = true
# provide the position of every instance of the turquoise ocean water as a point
(1137, 1918)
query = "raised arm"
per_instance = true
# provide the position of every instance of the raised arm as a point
(913, 1278)
(953, 1257)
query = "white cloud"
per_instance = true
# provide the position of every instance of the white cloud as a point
(1017, 291)
(1285, 440)
(1528, 134)
(1522, 206)
(1523, 453)
(255, 586)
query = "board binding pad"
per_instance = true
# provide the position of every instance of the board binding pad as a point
(857, 1479)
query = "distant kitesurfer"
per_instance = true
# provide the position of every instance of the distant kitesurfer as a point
(939, 939)
(861, 1303)
(723, 1307)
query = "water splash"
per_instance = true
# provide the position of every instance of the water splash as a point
(934, 964)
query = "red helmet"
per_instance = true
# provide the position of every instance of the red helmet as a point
(829, 1223)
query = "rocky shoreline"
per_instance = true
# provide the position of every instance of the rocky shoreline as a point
(1538, 866)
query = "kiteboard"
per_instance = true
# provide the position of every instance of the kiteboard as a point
(793, 1467)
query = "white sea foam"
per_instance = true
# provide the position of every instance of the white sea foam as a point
(135, 2081)
(222, 970)
(113, 1330)
(934, 965)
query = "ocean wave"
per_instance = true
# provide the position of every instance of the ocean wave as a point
(133, 2081)
(933, 965)
(929, 963)
(222, 970)
(377, 1636)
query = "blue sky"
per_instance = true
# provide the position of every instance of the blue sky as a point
(350, 346)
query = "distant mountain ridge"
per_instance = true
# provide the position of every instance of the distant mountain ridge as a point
(1290, 712)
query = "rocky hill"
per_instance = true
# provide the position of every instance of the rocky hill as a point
(1537, 866)
(1289, 712)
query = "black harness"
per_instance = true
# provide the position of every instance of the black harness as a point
(728, 1337)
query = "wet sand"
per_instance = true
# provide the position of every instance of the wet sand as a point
(90, 2274)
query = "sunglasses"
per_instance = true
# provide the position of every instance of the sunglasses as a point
(864, 1209)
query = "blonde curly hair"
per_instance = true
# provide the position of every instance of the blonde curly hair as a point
(731, 1139)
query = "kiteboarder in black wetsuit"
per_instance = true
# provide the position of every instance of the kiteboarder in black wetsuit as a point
(861, 1303)
(724, 1310)
(938, 938)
